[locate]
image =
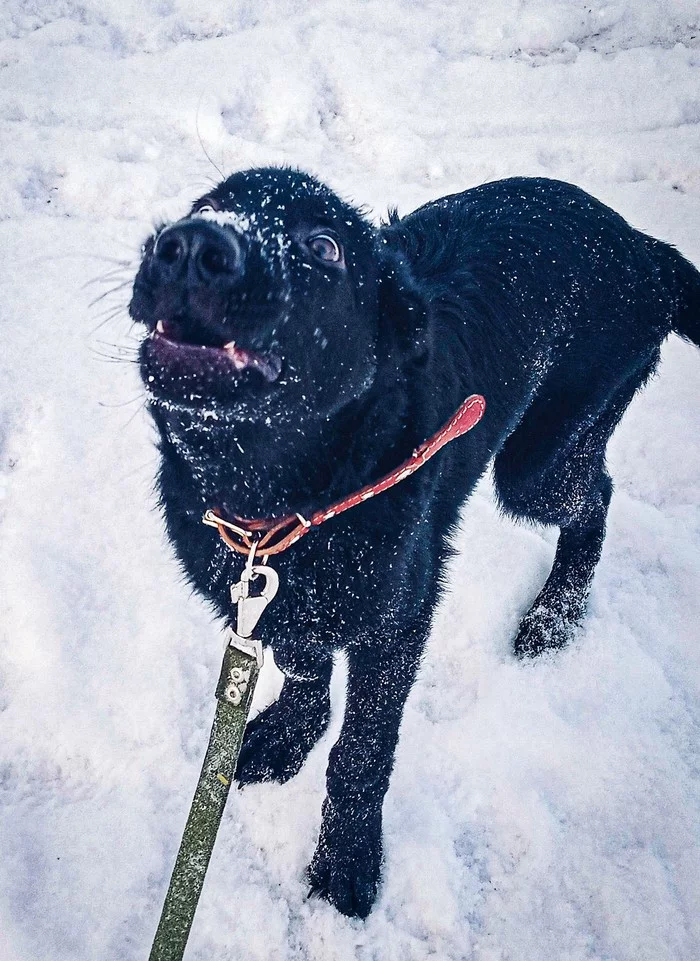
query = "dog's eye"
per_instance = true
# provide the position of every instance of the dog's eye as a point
(206, 207)
(326, 248)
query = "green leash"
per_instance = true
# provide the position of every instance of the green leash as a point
(234, 692)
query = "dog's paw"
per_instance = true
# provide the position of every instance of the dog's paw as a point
(545, 629)
(278, 741)
(346, 868)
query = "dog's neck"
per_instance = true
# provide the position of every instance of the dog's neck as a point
(257, 470)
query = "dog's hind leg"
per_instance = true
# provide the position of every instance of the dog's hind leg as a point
(561, 603)
(279, 739)
(552, 471)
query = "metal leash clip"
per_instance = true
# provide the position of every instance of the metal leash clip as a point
(250, 607)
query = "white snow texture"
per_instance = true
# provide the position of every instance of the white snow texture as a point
(539, 811)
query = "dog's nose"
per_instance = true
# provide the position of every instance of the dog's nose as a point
(204, 252)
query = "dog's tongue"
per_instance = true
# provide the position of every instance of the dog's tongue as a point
(268, 366)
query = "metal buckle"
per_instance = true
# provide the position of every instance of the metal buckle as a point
(212, 519)
(248, 645)
(250, 607)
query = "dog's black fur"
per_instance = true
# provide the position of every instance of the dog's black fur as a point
(527, 291)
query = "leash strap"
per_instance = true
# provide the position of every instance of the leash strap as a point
(239, 674)
(234, 692)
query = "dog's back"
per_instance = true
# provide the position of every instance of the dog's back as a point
(557, 308)
(550, 264)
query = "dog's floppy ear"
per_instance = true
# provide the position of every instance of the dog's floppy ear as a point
(403, 310)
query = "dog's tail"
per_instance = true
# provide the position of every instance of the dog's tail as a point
(683, 280)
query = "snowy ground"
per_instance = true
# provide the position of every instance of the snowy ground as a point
(537, 812)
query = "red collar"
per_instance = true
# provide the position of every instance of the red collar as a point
(268, 534)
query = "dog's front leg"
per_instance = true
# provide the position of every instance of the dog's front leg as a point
(278, 741)
(346, 867)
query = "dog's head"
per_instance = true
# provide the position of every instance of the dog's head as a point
(271, 296)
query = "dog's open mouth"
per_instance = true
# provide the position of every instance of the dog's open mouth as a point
(227, 359)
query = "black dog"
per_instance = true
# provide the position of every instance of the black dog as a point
(295, 353)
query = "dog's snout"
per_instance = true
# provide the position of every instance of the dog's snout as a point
(201, 251)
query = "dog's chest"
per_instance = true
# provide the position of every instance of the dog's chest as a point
(333, 588)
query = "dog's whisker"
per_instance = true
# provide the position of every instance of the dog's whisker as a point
(106, 359)
(133, 417)
(116, 353)
(117, 273)
(107, 352)
(110, 292)
(108, 317)
(123, 403)
(125, 349)
(201, 142)
(110, 308)
(84, 255)
(135, 470)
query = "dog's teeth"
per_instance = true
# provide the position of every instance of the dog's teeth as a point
(160, 327)
(238, 356)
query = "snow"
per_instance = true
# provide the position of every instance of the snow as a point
(537, 811)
